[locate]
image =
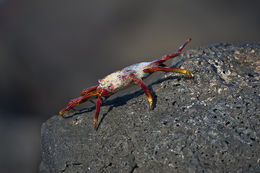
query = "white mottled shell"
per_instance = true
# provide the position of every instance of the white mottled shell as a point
(120, 79)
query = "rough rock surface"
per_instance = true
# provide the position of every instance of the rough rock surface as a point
(210, 123)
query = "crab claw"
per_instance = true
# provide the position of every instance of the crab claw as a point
(90, 90)
(72, 103)
(85, 95)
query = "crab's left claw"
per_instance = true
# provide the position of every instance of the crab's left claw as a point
(85, 95)
(72, 103)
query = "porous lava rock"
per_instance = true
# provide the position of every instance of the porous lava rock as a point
(210, 123)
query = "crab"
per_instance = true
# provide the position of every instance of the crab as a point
(133, 74)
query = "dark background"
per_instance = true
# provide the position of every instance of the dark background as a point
(50, 50)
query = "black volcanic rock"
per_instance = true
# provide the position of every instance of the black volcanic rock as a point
(209, 123)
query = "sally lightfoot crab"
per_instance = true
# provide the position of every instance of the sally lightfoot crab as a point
(123, 78)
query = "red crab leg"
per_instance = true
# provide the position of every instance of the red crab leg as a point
(77, 101)
(146, 91)
(177, 70)
(98, 103)
(72, 103)
(166, 57)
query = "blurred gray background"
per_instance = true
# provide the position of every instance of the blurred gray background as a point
(50, 50)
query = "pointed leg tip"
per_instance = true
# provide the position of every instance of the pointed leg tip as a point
(95, 127)
(189, 75)
(151, 106)
(150, 100)
(95, 124)
(61, 113)
(187, 41)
